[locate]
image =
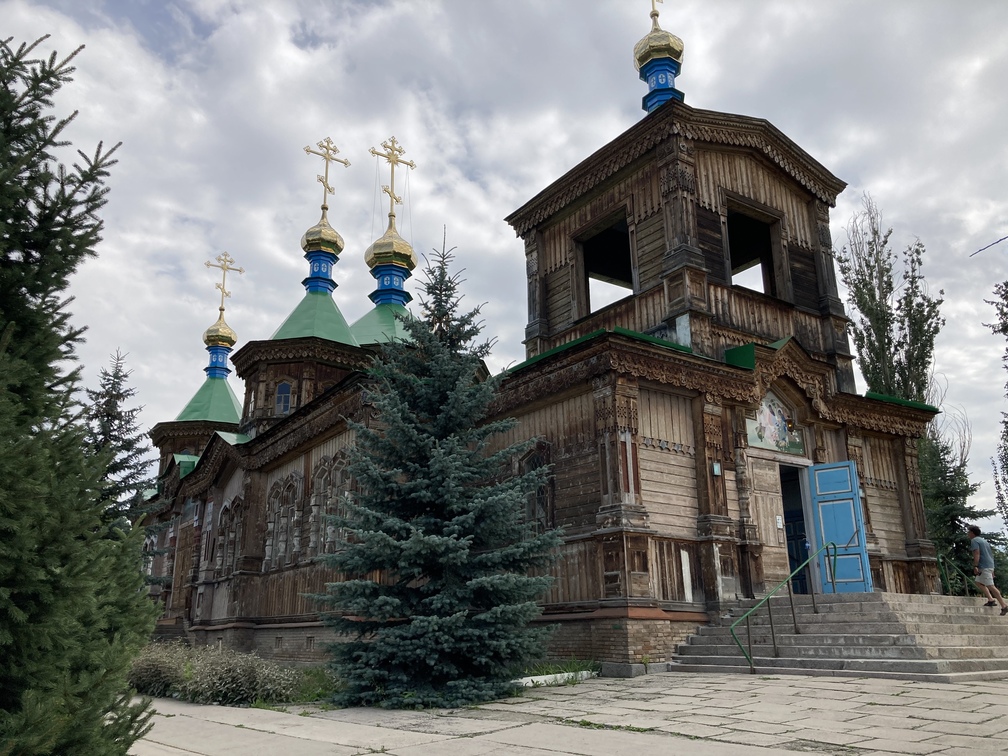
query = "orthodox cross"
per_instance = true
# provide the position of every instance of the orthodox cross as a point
(224, 261)
(393, 154)
(654, 6)
(328, 152)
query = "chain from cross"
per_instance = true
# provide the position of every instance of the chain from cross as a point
(328, 152)
(393, 155)
(224, 261)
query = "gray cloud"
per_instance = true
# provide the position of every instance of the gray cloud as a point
(494, 100)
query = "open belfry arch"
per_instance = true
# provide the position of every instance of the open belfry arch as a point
(691, 419)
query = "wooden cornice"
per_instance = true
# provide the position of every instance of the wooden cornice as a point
(678, 119)
(625, 355)
(215, 456)
(188, 428)
(295, 350)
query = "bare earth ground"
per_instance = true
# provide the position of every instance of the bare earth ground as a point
(667, 713)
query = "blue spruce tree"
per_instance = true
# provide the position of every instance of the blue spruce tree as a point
(442, 573)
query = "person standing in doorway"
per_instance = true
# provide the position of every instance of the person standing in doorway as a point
(983, 569)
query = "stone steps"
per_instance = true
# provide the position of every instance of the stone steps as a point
(928, 638)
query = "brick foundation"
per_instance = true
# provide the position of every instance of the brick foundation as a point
(619, 639)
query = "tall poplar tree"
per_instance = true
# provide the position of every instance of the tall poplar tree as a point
(442, 572)
(72, 608)
(894, 324)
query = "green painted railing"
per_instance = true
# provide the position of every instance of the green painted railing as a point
(828, 548)
(968, 580)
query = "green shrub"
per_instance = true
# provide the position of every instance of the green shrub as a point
(211, 675)
(159, 669)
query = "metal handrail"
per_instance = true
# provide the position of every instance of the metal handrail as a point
(787, 581)
(969, 580)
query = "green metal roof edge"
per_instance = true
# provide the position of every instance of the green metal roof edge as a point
(652, 339)
(380, 325)
(316, 315)
(234, 439)
(902, 402)
(555, 350)
(742, 356)
(595, 334)
(214, 401)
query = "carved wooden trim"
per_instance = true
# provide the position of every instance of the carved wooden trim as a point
(680, 121)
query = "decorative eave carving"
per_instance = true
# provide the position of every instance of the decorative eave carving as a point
(306, 427)
(309, 348)
(215, 456)
(187, 429)
(626, 356)
(881, 417)
(680, 120)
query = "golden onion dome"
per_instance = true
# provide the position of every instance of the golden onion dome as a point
(322, 236)
(391, 248)
(220, 333)
(658, 44)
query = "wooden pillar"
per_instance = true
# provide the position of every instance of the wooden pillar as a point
(750, 547)
(616, 423)
(921, 551)
(538, 322)
(714, 527)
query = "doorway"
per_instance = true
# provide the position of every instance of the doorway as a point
(795, 529)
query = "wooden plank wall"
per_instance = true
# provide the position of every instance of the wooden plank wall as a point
(568, 426)
(749, 177)
(751, 312)
(650, 251)
(183, 566)
(882, 495)
(667, 455)
(577, 574)
(282, 593)
(766, 503)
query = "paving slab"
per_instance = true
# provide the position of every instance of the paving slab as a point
(691, 714)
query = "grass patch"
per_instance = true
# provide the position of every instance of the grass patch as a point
(563, 667)
(588, 724)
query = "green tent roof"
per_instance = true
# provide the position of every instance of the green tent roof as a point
(215, 401)
(186, 463)
(381, 325)
(316, 315)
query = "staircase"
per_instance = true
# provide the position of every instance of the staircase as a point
(888, 635)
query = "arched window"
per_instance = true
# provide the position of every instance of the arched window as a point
(283, 398)
(228, 535)
(283, 541)
(539, 506)
(331, 485)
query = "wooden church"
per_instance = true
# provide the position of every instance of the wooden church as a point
(703, 429)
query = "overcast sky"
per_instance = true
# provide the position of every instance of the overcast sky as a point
(214, 101)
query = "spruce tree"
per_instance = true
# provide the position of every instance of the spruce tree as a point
(72, 607)
(115, 437)
(442, 574)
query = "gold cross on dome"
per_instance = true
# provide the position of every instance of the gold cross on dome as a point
(654, 6)
(224, 261)
(328, 152)
(393, 155)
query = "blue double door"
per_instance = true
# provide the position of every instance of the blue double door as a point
(834, 515)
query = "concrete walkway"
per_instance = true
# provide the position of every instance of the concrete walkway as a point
(667, 713)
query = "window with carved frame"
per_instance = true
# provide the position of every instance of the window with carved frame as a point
(283, 538)
(540, 508)
(228, 535)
